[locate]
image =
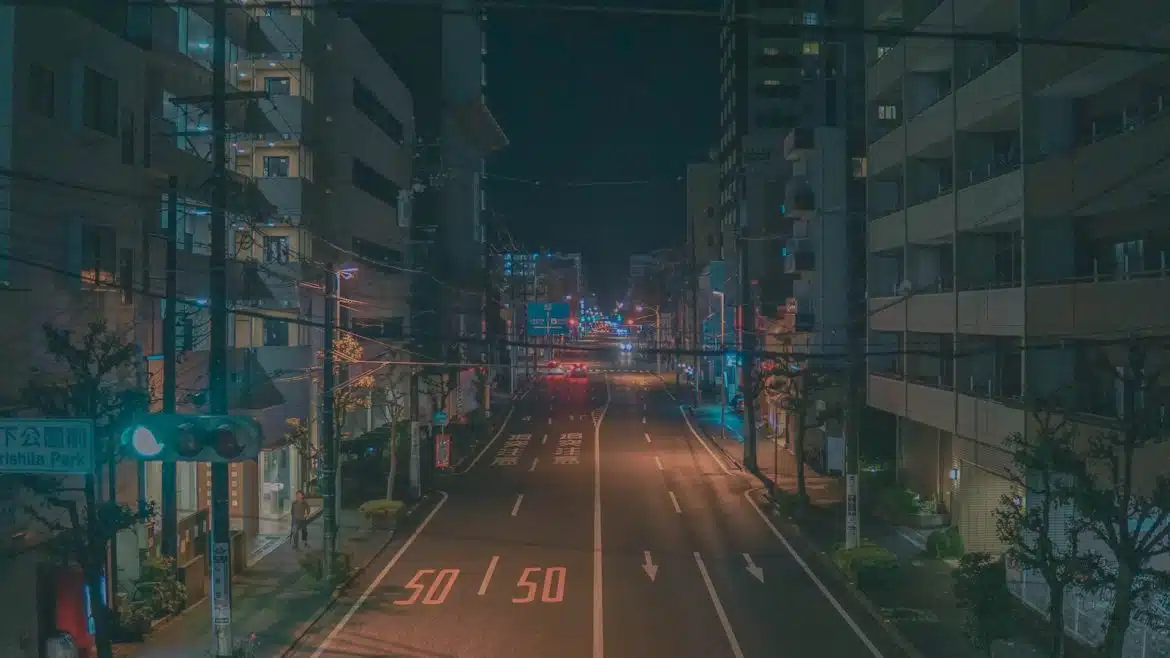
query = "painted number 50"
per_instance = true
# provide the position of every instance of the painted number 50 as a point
(439, 588)
(551, 585)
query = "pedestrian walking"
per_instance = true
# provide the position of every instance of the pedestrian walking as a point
(300, 520)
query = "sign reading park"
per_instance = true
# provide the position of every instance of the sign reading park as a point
(46, 445)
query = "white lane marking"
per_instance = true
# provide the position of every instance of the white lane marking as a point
(704, 443)
(813, 577)
(674, 501)
(543, 439)
(647, 437)
(533, 467)
(572, 417)
(719, 611)
(516, 507)
(598, 609)
(658, 462)
(487, 577)
(499, 432)
(378, 580)
(643, 420)
(550, 421)
(643, 407)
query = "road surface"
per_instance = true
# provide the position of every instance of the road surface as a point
(597, 525)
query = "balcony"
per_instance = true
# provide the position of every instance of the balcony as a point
(799, 143)
(887, 152)
(282, 116)
(930, 221)
(992, 312)
(286, 194)
(284, 31)
(988, 421)
(994, 200)
(990, 91)
(886, 392)
(930, 405)
(887, 232)
(799, 257)
(930, 126)
(885, 72)
(799, 199)
(1100, 308)
(1123, 164)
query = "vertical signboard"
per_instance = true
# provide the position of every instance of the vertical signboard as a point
(415, 461)
(852, 525)
(220, 577)
(443, 451)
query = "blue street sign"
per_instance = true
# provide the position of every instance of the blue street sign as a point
(439, 418)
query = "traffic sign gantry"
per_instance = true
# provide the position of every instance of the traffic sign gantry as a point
(193, 438)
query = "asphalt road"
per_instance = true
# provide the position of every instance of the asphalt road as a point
(527, 557)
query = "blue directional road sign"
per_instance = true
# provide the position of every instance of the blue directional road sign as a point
(548, 318)
(46, 445)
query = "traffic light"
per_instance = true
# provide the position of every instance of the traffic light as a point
(193, 438)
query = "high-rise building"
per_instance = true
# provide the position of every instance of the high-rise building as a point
(1017, 227)
(441, 56)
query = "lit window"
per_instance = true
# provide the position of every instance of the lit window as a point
(811, 48)
(882, 51)
(771, 83)
(888, 112)
(810, 18)
(771, 51)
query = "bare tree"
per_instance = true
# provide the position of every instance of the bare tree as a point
(797, 388)
(1131, 518)
(396, 406)
(1043, 464)
(96, 364)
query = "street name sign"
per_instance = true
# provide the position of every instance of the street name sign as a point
(59, 446)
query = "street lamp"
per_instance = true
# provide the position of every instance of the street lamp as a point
(657, 334)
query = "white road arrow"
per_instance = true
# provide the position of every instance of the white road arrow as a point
(755, 571)
(648, 565)
(526, 418)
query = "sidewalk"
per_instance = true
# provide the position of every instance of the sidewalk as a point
(274, 598)
(920, 605)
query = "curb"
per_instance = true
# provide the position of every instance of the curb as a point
(308, 624)
(892, 631)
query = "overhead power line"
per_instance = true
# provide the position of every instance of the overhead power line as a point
(477, 7)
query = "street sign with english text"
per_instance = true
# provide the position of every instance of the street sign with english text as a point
(46, 445)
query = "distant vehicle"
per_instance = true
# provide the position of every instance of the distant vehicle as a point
(553, 364)
(627, 347)
(578, 372)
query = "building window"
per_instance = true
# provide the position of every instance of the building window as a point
(368, 104)
(42, 91)
(99, 104)
(128, 137)
(366, 179)
(888, 112)
(276, 166)
(771, 52)
(276, 249)
(811, 48)
(275, 333)
(99, 245)
(278, 86)
(882, 51)
(810, 18)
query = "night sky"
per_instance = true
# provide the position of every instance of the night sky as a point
(586, 98)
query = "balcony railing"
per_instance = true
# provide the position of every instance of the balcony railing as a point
(1126, 120)
(1001, 164)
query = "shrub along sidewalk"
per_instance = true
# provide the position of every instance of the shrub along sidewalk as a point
(280, 596)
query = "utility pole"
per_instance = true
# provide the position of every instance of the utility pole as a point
(695, 333)
(748, 354)
(221, 581)
(328, 440)
(170, 508)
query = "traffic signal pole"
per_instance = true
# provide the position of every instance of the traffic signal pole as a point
(221, 581)
(170, 511)
(328, 440)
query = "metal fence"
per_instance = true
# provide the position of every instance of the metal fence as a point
(1085, 616)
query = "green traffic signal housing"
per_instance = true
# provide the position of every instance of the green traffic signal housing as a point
(193, 438)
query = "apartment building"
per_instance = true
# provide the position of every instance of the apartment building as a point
(1016, 225)
(89, 139)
